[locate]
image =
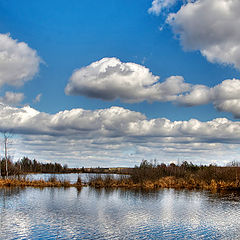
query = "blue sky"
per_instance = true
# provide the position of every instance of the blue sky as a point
(68, 36)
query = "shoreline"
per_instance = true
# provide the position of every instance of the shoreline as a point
(165, 182)
(11, 182)
(126, 182)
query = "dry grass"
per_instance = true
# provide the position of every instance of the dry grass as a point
(164, 182)
(100, 181)
(191, 183)
(23, 182)
(108, 181)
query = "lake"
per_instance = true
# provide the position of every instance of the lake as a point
(58, 213)
(71, 177)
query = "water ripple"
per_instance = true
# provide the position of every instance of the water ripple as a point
(119, 214)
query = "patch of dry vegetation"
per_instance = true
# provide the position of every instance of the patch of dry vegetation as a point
(51, 182)
(187, 176)
(150, 176)
(100, 181)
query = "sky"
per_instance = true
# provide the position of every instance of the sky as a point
(109, 83)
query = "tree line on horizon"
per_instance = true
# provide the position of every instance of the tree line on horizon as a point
(26, 165)
(149, 170)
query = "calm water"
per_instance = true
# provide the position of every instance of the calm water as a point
(72, 177)
(53, 213)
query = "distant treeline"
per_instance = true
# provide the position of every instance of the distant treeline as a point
(149, 171)
(25, 165)
(187, 175)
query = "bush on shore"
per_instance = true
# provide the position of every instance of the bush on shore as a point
(187, 175)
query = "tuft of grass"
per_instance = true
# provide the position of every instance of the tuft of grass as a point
(15, 182)
(108, 181)
(79, 181)
(52, 179)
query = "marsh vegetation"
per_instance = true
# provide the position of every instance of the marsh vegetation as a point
(147, 175)
(186, 175)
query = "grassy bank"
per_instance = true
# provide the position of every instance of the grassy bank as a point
(164, 182)
(108, 181)
(51, 182)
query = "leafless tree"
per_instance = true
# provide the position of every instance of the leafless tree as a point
(6, 137)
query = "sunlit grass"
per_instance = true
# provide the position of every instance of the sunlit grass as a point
(51, 182)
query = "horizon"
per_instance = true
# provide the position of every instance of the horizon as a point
(110, 84)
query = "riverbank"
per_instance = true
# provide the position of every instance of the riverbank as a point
(100, 181)
(51, 182)
(164, 182)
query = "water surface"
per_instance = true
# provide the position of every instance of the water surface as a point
(71, 177)
(58, 213)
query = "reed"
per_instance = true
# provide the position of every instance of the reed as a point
(23, 182)
(108, 181)
(164, 182)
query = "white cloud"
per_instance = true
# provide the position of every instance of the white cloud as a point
(18, 62)
(116, 136)
(232, 106)
(211, 26)
(224, 96)
(159, 5)
(109, 79)
(12, 98)
(198, 95)
(228, 89)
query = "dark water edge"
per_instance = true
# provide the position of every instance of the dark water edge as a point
(58, 213)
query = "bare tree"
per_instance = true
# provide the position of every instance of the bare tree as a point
(6, 137)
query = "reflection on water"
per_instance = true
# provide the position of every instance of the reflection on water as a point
(57, 213)
(71, 177)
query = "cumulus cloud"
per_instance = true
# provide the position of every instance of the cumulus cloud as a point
(109, 79)
(106, 133)
(159, 5)
(211, 26)
(69, 122)
(18, 62)
(198, 95)
(224, 96)
(12, 98)
(232, 106)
